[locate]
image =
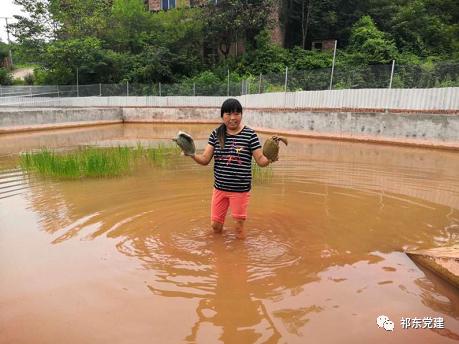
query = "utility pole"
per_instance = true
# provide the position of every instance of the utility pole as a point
(9, 42)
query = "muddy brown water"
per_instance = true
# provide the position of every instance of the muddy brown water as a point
(132, 259)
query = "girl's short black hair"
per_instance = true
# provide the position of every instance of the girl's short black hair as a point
(231, 105)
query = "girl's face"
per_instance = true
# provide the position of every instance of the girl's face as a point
(232, 120)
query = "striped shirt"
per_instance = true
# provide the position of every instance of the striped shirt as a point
(233, 163)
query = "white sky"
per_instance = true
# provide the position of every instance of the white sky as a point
(7, 9)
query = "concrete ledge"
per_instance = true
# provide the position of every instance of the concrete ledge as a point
(190, 121)
(444, 261)
(449, 145)
(280, 109)
(440, 130)
(20, 117)
(38, 127)
(151, 114)
(413, 127)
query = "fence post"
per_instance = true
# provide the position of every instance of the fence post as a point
(286, 79)
(194, 89)
(242, 87)
(1, 91)
(127, 88)
(259, 85)
(58, 92)
(160, 89)
(78, 87)
(227, 88)
(333, 66)
(247, 87)
(392, 74)
(100, 89)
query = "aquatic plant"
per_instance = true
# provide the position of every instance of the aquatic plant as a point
(261, 174)
(93, 161)
(161, 154)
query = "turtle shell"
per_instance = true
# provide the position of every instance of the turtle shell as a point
(185, 142)
(271, 147)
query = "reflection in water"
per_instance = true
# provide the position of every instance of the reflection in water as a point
(437, 294)
(231, 307)
(295, 319)
(18, 142)
(324, 244)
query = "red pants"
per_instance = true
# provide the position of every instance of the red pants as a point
(237, 201)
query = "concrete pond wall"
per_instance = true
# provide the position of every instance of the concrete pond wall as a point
(423, 129)
(23, 119)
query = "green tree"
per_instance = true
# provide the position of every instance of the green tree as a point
(369, 45)
(33, 30)
(81, 18)
(129, 24)
(180, 31)
(231, 21)
(63, 58)
(265, 58)
(4, 48)
(424, 29)
(5, 77)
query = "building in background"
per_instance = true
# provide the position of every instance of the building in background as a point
(277, 35)
(323, 45)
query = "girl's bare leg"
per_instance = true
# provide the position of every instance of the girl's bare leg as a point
(239, 228)
(217, 227)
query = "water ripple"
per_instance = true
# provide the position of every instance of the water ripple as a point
(12, 181)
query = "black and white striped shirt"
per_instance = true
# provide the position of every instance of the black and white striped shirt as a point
(233, 163)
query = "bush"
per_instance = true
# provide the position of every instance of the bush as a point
(29, 79)
(5, 77)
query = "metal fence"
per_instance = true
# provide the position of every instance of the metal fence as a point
(440, 74)
(446, 98)
(379, 78)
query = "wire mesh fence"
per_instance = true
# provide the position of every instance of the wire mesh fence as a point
(444, 74)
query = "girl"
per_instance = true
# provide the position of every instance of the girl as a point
(232, 146)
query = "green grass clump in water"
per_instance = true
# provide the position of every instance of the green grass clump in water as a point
(261, 174)
(92, 162)
(159, 155)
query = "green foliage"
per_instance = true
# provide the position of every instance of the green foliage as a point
(265, 58)
(29, 79)
(80, 19)
(86, 162)
(370, 45)
(89, 162)
(129, 23)
(428, 74)
(230, 21)
(307, 59)
(63, 57)
(204, 84)
(207, 83)
(112, 41)
(422, 28)
(18, 82)
(4, 51)
(5, 77)
(152, 65)
(261, 175)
